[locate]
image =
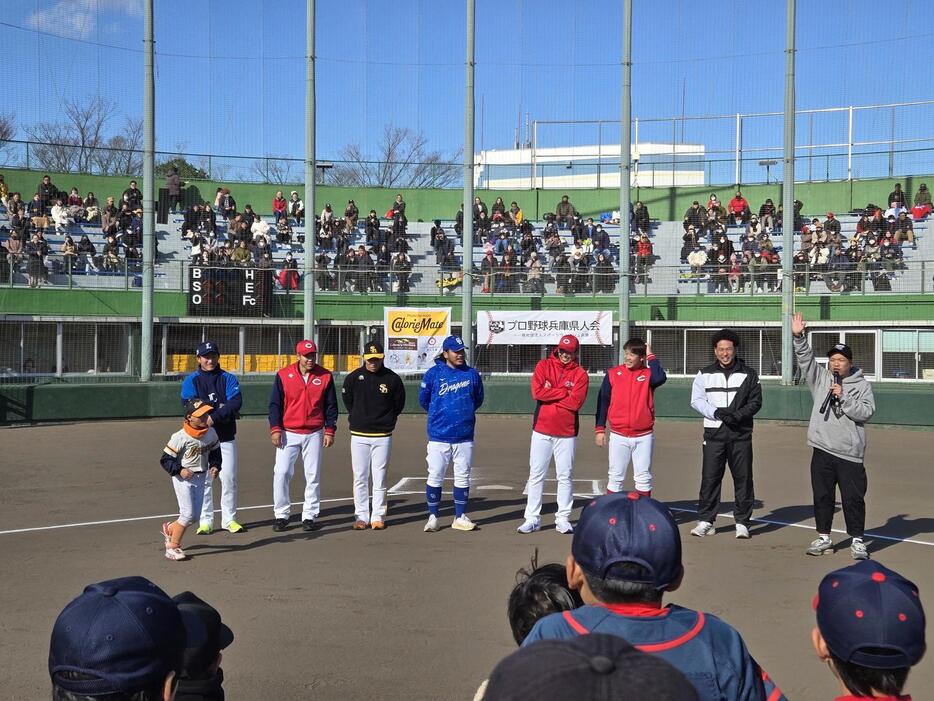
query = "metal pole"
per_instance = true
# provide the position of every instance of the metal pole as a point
(810, 145)
(625, 158)
(310, 167)
(737, 168)
(467, 294)
(599, 151)
(892, 149)
(849, 145)
(149, 220)
(788, 194)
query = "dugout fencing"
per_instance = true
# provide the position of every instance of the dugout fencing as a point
(71, 351)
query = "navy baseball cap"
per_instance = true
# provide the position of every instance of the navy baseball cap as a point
(840, 349)
(595, 666)
(871, 616)
(207, 347)
(628, 528)
(123, 635)
(453, 343)
(207, 634)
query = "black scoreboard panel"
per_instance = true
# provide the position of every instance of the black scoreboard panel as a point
(229, 291)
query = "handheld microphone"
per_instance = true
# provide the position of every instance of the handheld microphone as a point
(830, 397)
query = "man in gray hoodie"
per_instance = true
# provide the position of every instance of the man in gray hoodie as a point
(836, 434)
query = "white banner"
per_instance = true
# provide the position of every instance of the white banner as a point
(414, 337)
(544, 327)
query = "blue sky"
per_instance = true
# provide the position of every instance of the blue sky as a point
(230, 73)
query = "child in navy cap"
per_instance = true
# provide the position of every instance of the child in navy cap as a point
(122, 638)
(870, 630)
(625, 555)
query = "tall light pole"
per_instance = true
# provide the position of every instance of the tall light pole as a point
(467, 294)
(149, 220)
(625, 156)
(310, 233)
(788, 195)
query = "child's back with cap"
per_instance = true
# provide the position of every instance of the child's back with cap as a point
(625, 554)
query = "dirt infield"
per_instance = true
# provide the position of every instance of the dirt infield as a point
(402, 614)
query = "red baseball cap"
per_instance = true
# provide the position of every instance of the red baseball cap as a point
(305, 347)
(568, 343)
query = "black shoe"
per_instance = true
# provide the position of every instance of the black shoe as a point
(280, 524)
(308, 524)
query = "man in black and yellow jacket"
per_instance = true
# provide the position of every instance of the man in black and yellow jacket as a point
(374, 397)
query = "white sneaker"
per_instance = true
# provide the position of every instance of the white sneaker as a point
(530, 525)
(432, 526)
(858, 549)
(463, 523)
(175, 554)
(742, 531)
(703, 528)
(820, 545)
(564, 527)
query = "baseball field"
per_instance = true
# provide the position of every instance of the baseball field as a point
(402, 614)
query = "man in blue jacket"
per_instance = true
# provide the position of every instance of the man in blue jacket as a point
(221, 390)
(451, 392)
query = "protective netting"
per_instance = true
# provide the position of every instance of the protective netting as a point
(707, 100)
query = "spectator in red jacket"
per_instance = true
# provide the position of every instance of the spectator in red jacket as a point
(739, 209)
(302, 419)
(626, 416)
(559, 387)
(280, 206)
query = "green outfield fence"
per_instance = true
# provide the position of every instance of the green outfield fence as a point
(899, 405)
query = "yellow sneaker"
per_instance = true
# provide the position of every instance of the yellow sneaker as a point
(204, 528)
(234, 527)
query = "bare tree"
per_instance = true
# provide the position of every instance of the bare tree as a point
(121, 153)
(75, 143)
(403, 160)
(276, 170)
(7, 132)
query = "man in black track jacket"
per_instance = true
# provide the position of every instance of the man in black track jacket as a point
(374, 397)
(727, 394)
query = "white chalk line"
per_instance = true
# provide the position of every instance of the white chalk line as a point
(811, 528)
(149, 518)
(401, 482)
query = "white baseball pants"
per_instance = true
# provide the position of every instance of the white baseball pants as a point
(440, 455)
(190, 495)
(228, 478)
(621, 450)
(310, 446)
(542, 450)
(369, 455)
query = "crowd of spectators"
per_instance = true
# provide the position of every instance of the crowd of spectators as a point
(872, 253)
(54, 211)
(575, 253)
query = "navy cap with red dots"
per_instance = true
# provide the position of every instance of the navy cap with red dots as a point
(622, 528)
(871, 616)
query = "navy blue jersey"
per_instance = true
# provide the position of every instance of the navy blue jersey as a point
(221, 390)
(709, 652)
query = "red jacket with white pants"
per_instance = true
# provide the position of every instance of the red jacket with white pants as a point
(557, 406)
(303, 405)
(626, 403)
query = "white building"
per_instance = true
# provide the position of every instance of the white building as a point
(654, 164)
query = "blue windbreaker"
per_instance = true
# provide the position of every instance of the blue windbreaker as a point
(221, 390)
(451, 396)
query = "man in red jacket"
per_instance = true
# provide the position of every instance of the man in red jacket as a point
(559, 387)
(302, 419)
(626, 416)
